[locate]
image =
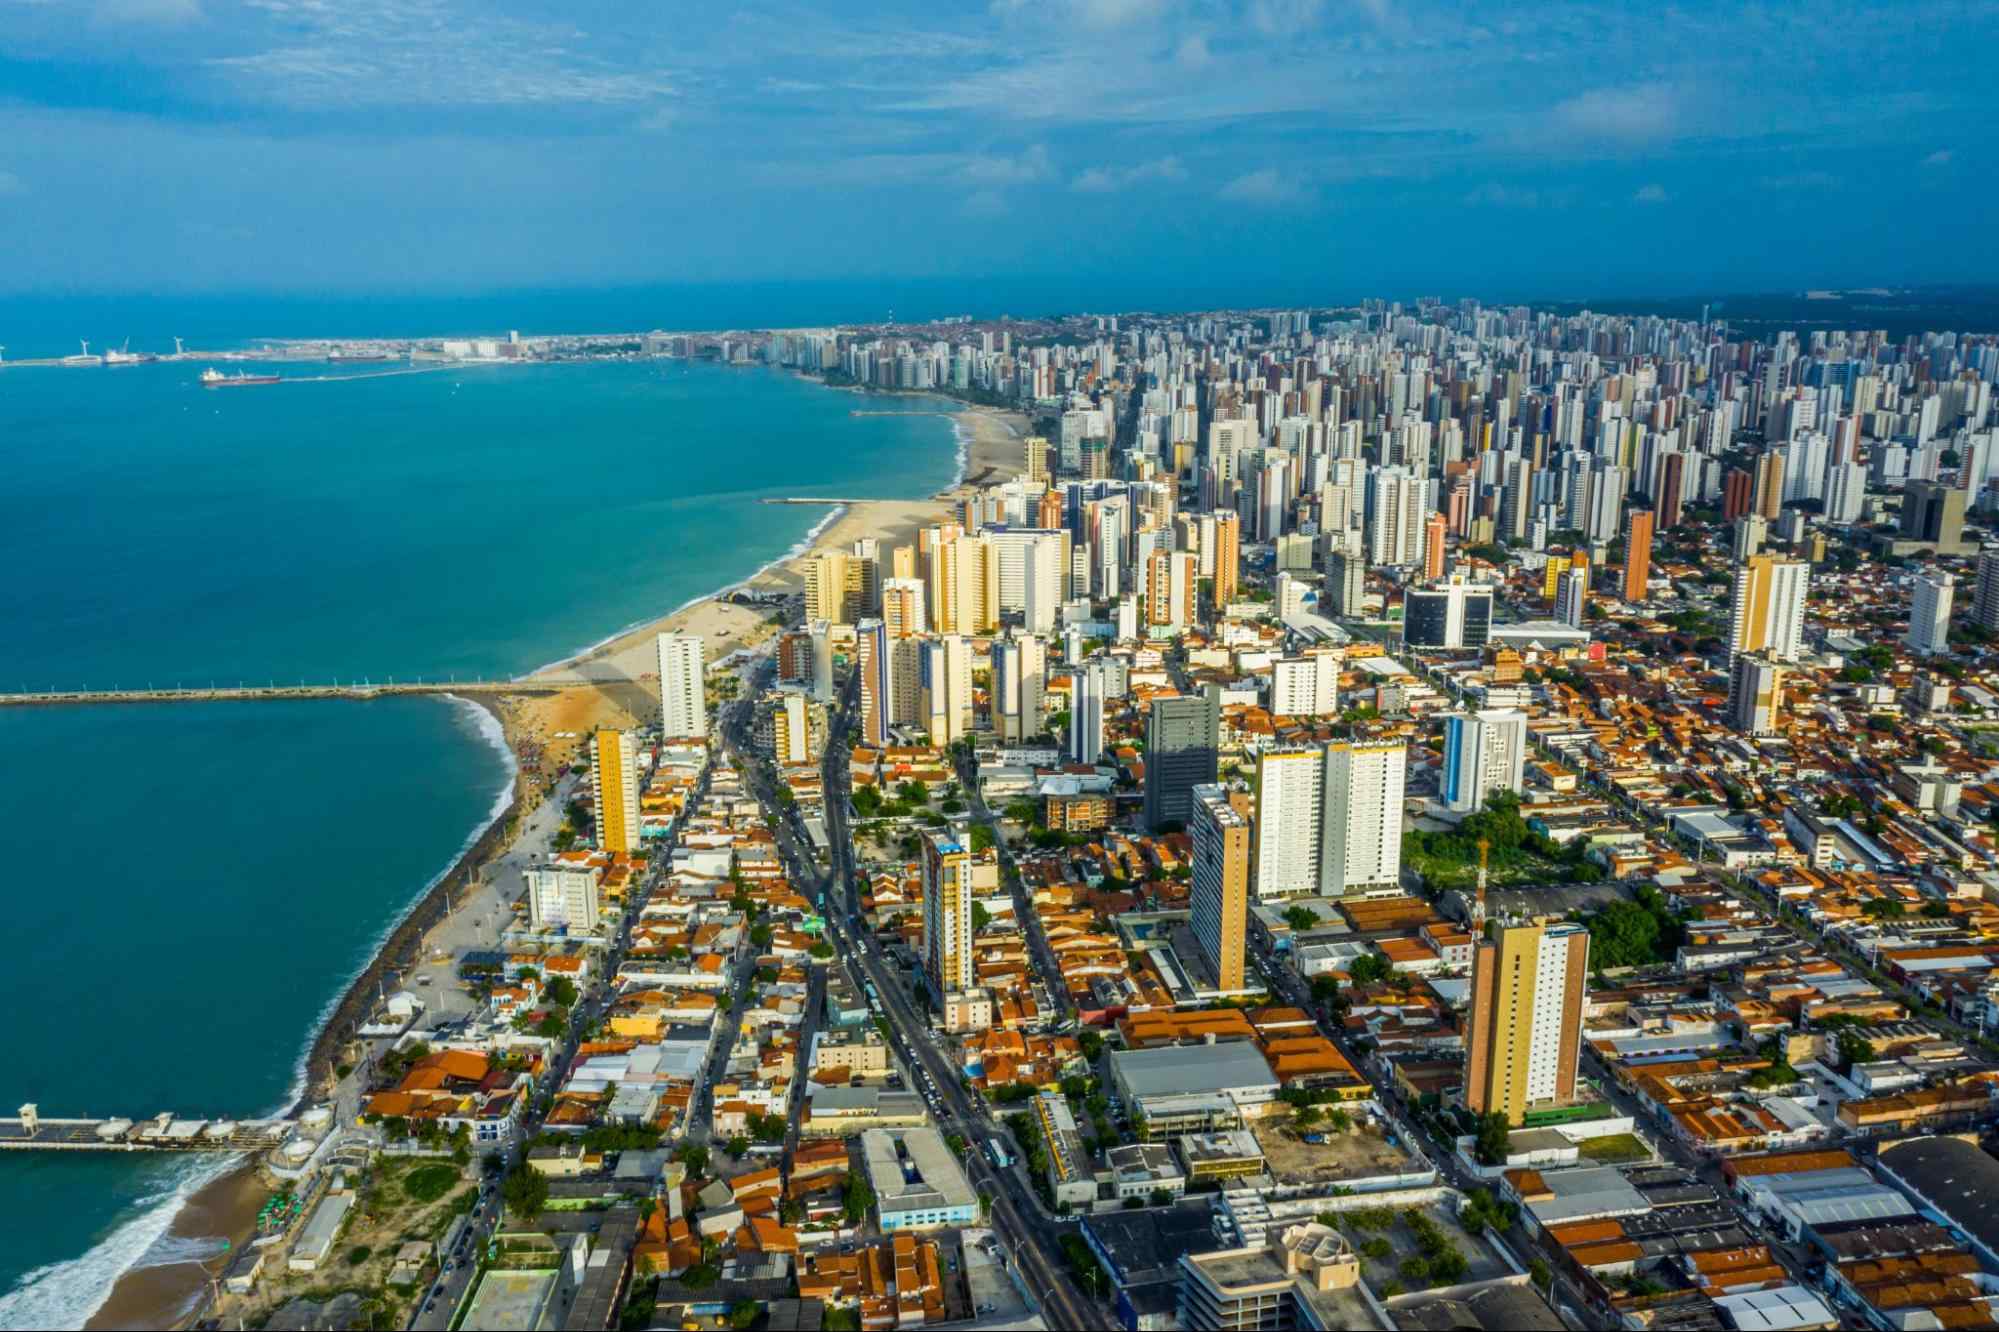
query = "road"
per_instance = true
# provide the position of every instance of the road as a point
(1014, 1214)
(1045, 961)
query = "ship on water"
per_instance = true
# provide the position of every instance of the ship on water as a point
(213, 378)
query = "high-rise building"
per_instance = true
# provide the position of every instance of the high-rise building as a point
(563, 896)
(1035, 450)
(1637, 555)
(947, 915)
(1228, 557)
(1933, 514)
(1929, 614)
(1747, 538)
(1087, 687)
(1433, 547)
(1219, 893)
(1526, 1018)
(1770, 482)
(836, 586)
(903, 608)
(1363, 818)
(614, 790)
(1307, 686)
(964, 585)
(947, 688)
(1484, 752)
(1766, 609)
(1020, 671)
(1289, 836)
(1346, 584)
(1182, 749)
(1572, 596)
(1737, 495)
(1755, 694)
(1452, 616)
(683, 697)
(1985, 599)
(875, 664)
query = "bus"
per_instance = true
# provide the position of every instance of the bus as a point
(997, 1151)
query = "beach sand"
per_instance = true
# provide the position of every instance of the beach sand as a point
(616, 684)
(618, 681)
(162, 1297)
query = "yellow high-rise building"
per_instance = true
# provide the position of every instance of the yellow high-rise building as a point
(1228, 557)
(614, 790)
(947, 915)
(1527, 984)
(1219, 895)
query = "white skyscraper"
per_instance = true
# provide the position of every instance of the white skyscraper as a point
(1363, 818)
(683, 702)
(1305, 686)
(1484, 752)
(1290, 809)
(1086, 712)
(947, 688)
(1929, 614)
(1020, 667)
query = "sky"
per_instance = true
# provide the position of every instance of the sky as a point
(1311, 149)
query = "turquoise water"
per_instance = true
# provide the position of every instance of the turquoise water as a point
(206, 877)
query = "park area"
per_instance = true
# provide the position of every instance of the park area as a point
(1516, 854)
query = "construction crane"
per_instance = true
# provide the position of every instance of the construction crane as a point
(1478, 898)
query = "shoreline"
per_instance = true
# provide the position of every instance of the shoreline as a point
(609, 678)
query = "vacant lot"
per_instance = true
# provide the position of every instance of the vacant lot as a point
(1360, 1153)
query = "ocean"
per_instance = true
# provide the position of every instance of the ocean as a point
(197, 882)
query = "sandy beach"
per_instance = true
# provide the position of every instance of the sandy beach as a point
(615, 684)
(618, 681)
(162, 1297)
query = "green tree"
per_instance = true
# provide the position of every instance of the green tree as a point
(561, 992)
(694, 1156)
(552, 1024)
(1092, 1044)
(982, 838)
(1300, 918)
(981, 918)
(743, 1313)
(859, 1197)
(1493, 1138)
(1368, 968)
(700, 1276)
(525, 1191)
(736, 1146)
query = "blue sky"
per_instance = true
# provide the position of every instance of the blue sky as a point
(1323, 146)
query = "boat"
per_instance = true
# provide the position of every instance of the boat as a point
(213, 378)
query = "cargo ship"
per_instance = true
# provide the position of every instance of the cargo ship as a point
(213, 378)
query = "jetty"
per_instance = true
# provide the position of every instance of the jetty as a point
(165, 1132)
(358, 690)
(810, 499)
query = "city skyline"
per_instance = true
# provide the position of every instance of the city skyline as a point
(1311, 150)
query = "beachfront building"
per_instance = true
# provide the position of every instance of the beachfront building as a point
(563, 896)
(683, 704)
(614, 790)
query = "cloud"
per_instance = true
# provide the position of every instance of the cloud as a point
(1651, 194)
(993, 172)
(1266, 187)
(1107, 180)
(1275, 18)
(1192, 53)
(1942, 157)
(1089, 13)
(1641, 114)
